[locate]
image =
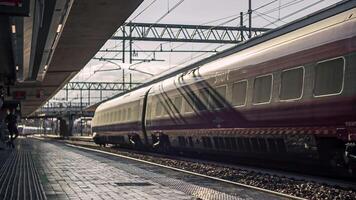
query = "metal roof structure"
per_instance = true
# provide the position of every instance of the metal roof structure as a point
(40, 52)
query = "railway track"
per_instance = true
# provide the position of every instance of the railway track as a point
(284, 184)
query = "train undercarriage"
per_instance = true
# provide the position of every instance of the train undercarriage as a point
(292, 150)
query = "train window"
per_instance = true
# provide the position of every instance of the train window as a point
(202, 101)
(178, 104)
(188, 107)
(218, 98)
(239, 91)
(165, 109)
(115, 115)
(135, 112)
(148, 110)
(124, 115)
(128, 113)
(292, 84)
(262, 89)
(329, 77)
(119, 115)
(158, 108)
(221, 91)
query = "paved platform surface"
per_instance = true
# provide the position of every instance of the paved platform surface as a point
(39, 169)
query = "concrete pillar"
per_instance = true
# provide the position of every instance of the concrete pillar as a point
(70, 125)
(66, 126)
(63, 128)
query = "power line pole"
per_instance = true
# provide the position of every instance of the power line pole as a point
(241, 25)
(249, 19)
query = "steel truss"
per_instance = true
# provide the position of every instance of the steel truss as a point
(177, 33)
(99, 86)
(185, 33)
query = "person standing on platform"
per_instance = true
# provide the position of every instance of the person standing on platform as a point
(11, 121)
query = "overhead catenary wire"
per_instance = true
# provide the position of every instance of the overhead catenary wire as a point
(279, 8)
(245, 14)
(297, 11)
(162, 17)
(169, 11)
(143, 10)
(263, 17)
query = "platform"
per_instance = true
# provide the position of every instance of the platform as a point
(41, 169)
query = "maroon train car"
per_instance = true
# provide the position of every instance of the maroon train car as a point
(288, 97)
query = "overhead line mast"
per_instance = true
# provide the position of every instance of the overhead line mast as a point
(249, 19)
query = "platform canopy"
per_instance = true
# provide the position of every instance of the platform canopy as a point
(43, 44)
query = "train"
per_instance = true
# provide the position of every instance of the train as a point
(31, 130)
(288, 95)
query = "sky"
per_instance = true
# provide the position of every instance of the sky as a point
(266, 13)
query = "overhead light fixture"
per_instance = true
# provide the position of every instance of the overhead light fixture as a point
(59, 28)
(45, 67)
(17, 68)
(13, 29)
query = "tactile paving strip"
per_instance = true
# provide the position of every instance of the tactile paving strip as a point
(189, 184)
(195, 186)
(188, 188)
(19, 177)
